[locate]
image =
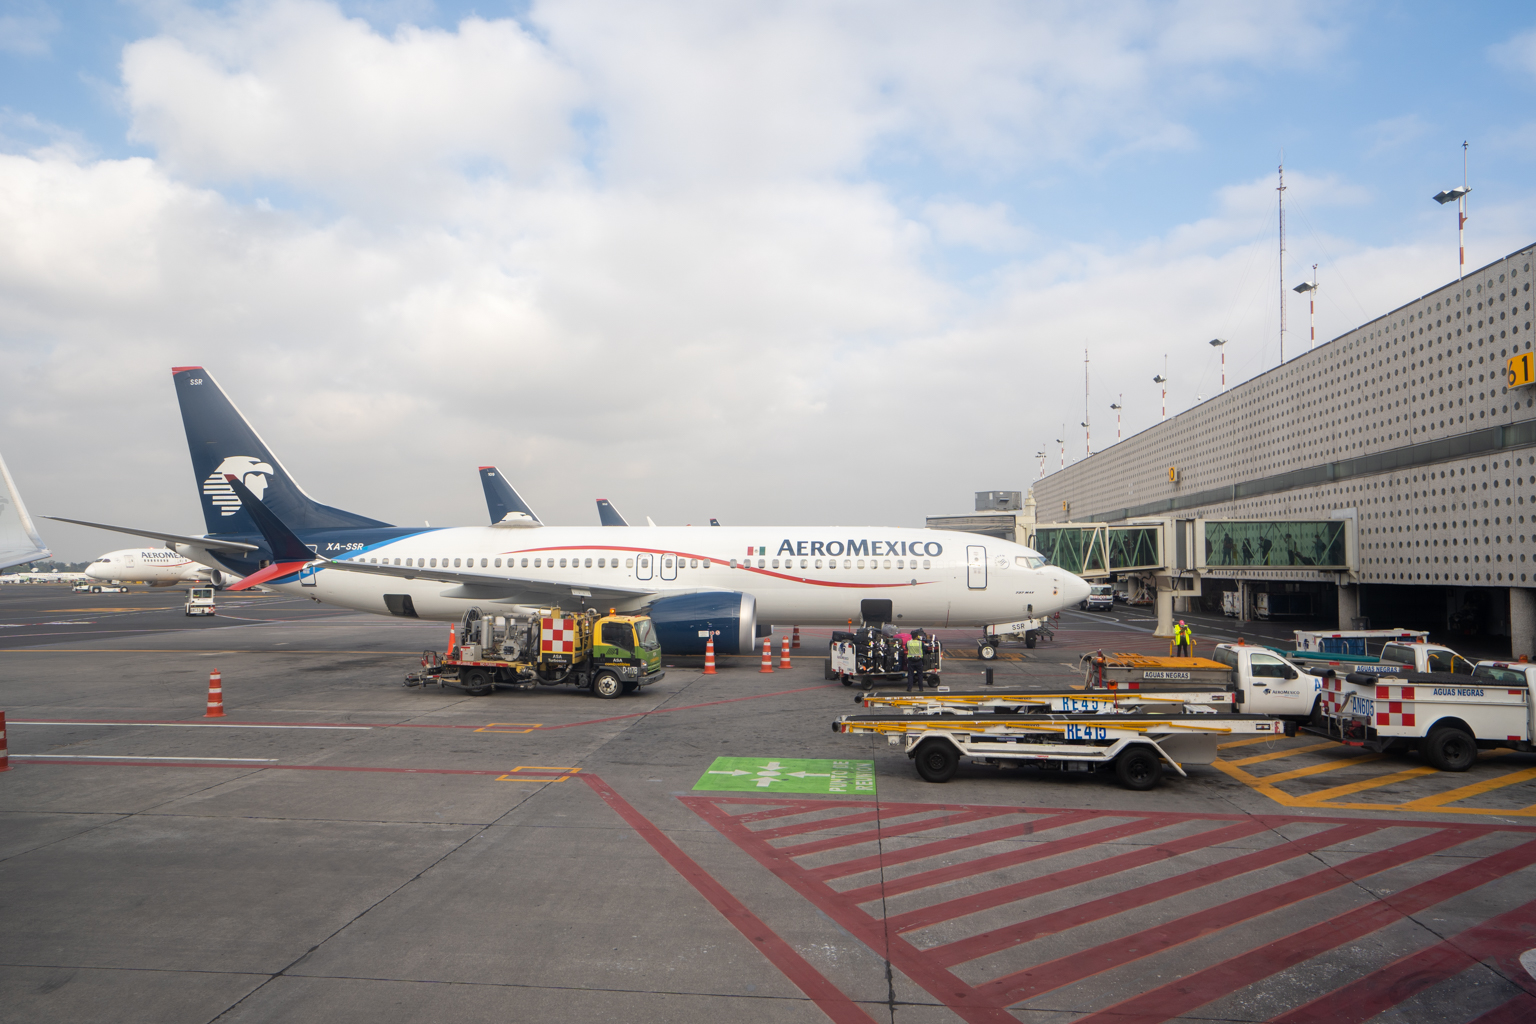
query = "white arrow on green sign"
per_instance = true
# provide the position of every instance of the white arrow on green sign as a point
(789, 775)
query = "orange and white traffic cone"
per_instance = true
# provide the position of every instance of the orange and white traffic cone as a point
(767, 656)
(784, 653)
(453, 640)
(5, 756)
(795, 643)
(215, 695)
(709, 657)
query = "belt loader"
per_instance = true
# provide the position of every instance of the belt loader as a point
(1185, 700)
(610, 655)
(1134, 747)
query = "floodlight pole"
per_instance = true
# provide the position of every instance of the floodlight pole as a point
(1219, 344)
(1461, 216)
(1281, 192)
(1116, 406)
(1087, 416)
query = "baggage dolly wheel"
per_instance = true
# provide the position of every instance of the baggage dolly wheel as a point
(937, 760)
(1139, 768)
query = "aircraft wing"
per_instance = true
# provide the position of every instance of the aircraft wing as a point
(19, 541)
(209, 543)
(516, 589)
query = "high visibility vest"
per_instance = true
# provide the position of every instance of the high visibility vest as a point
(1181, 634)
(914, 648)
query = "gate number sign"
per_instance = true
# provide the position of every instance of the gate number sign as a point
(1521, 370)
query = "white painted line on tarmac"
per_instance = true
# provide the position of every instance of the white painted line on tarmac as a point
(140, 757)
(187, 725)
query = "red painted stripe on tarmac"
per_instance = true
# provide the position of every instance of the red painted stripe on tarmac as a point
(924, 916)
(957, 996)
(989, 942)
(939, 847)
(1180, 997)
(128, 762)
(1054, 974)
(1500, 939)
(1519, 1010)
(874, 834)
(827, 997)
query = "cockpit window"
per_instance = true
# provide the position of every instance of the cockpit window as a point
(1028, 561)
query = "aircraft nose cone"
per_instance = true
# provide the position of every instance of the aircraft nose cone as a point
(1074, 588)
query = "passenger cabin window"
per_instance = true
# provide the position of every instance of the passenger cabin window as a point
(619, 634)
(629, 563)
(562, 563)
(589, 564)
(1267, 667)
(525, 563)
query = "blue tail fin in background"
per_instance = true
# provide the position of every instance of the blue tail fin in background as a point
(222, 442)
(501, 499)
(608, 514)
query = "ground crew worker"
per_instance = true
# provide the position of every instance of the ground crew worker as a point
(915, 661)
(1182, 639)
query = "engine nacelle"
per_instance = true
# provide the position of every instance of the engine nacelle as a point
(679, 621)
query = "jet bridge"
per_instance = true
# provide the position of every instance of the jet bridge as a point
(1172, 555)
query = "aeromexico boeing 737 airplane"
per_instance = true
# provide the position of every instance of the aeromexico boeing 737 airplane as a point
(694, 583)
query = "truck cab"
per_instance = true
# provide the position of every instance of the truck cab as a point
(1425, 657)
(627, 646)
(1101, 598)
(1269, 684)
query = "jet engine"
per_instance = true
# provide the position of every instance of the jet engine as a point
(730, 616)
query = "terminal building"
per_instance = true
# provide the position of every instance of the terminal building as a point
(1388, 475)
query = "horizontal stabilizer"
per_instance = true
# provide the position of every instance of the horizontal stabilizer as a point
(286, 547)
(19, 541)
(208, 543)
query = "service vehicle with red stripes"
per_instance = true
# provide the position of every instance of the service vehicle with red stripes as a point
(610, 655)
(1445, 716)
(1134, 747)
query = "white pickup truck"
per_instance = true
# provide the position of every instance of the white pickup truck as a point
(1395, 659)
(1267, 684)
(1446, 716)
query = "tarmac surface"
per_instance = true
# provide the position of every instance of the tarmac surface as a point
(342, 848)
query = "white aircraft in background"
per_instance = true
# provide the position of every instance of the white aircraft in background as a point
(160, 567)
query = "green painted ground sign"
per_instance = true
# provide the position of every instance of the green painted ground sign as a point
(790, 775)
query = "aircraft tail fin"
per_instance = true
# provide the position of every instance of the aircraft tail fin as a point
(608, 514)
(501, 498)
(222, 444)
(19, 541)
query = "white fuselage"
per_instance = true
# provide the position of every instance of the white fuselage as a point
(797, 575)
(148, 565)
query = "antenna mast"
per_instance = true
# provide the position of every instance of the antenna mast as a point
(1087, 416)
(1281, 192)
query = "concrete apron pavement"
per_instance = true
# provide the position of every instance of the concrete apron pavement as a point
(545, 856)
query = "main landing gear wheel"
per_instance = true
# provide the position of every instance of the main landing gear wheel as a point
(937, 760)
(607, 685)
(987, 652)
(1139, 768)
(1450, 750)
(477, 683)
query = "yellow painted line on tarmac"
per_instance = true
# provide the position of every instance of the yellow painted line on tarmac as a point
(511, 727)
(1319, 769)
(1276, 755)
(1428, 803)
(1321, 797)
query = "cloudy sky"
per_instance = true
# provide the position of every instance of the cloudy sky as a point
(771, 262)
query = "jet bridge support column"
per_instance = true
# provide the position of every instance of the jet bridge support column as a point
(1164, 607)
(1522, 622)
(1349, 606)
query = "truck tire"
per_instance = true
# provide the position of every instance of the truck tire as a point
(607, 686)
(1139, 768)
(1029, 639)
(477, 682)
(987, 652)
(826, 669)
(1450, 749)
(937, 760)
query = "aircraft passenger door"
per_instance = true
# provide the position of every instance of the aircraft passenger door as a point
(669, 567)
(976, 566)
(643, 566)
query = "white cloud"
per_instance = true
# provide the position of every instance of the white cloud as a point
(987, 228)
(1516, 54)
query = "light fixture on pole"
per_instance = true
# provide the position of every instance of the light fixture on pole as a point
(1041, 457)
(1309, 289)
(1217, 344)
(1460, 195)
(1116, 406)
(1063, 446)
(1162, 379)
(1087, 417)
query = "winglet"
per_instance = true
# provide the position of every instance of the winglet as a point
(289, 554)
